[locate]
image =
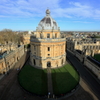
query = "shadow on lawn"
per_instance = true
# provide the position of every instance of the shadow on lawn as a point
(63, 82)
(67, 86)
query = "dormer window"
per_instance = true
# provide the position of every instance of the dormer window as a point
(48, 35)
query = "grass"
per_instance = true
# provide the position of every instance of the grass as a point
(97, 57)
(64, 79)
(34, 80)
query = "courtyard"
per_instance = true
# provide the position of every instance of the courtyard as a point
(64, 79)
(11, 90)
(34, 80)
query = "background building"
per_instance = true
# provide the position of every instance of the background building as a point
(8, 59)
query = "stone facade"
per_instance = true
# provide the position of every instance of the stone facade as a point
(8, 47)
(47, 46)
(94, 67)
(25, 39)
(84, 50)
(9, 60)
(87, 46)
(89, 62)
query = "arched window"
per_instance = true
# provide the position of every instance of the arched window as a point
(48, 48)
(48, 35)
(55, 35)
(48, 64)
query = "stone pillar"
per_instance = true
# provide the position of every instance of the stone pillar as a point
(59, 50)
(92, 53)
(38, 50)
(53, 51)
(43, 47)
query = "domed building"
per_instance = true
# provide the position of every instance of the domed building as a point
(47, 46)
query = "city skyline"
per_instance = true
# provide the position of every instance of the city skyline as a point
(74, 15)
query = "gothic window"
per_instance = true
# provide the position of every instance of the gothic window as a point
(48, 35)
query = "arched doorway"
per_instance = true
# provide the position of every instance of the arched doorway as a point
(48, 64)
(34, 61)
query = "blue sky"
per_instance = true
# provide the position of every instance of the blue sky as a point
(71, 15)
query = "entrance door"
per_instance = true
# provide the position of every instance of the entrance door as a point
(48, 64)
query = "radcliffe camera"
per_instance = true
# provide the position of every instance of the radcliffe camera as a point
(49, 50)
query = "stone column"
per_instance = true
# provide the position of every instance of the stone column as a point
(45, 51)
(53, 50)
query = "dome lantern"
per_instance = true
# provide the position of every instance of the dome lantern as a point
(47, 12)
(47, 22)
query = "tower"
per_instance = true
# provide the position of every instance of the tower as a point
(47, 46)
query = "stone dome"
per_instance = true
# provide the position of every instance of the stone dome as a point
(47, 23)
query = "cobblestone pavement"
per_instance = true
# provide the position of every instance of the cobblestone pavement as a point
(11, 90)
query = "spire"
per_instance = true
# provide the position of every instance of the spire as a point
(47, 12)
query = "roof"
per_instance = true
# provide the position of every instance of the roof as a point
(47, 23)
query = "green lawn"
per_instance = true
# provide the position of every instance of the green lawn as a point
(64, 79)
(34, 80)
(97, 57)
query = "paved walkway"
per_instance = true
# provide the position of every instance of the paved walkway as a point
(50, 87)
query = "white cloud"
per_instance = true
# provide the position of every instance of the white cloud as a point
(36, 8)
(77, 4)
(82, 21)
